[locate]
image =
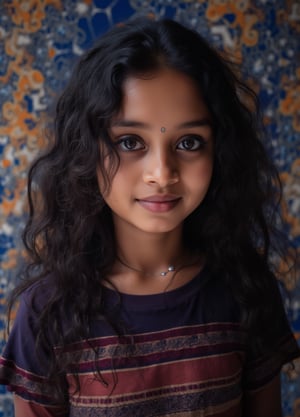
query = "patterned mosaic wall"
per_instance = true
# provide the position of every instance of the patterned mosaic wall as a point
(39, 41)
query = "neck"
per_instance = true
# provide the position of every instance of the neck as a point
(149, 252)
(146, 255)
(171, 269)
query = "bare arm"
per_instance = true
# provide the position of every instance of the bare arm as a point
(30, 409)
(265, 402)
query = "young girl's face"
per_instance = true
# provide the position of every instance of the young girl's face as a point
(164, 137)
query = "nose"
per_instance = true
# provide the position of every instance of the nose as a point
(160, 169)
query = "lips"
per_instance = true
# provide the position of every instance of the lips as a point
(159, 203)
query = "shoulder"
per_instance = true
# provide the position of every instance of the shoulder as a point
(37, 295)
(29, 307)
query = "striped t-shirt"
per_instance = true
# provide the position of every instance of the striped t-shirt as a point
(183, 353)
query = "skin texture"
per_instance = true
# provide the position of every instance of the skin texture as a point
(172, 168)
(158, 164)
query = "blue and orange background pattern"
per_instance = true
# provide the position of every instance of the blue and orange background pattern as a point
(41, 39)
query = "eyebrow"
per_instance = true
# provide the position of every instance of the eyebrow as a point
(196, 123)
(190, 124)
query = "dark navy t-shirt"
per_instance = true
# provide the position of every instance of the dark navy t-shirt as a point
(182, 353)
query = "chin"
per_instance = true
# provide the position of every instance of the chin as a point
(160, 228)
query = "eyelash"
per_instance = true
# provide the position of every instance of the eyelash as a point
(121, 142)
(127, 138)
(197, 139)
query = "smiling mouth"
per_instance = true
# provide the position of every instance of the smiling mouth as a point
(159, 204)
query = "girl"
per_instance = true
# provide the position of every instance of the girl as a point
(151, 290)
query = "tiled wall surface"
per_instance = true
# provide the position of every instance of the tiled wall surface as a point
(40, 40)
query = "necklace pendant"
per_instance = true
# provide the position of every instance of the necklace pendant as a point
(170, 269)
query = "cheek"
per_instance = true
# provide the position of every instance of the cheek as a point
(106, 169)
(200, 176)
(108, 176)
(127, 175)
(119, 185)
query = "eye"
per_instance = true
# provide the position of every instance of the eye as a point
(191, 143)
(130, 143)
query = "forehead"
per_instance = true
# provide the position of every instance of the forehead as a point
(162, 97)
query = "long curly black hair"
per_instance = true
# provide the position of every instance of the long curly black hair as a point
(69, 234)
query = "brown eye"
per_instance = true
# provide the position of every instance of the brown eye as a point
(130, 143)
(191, 143)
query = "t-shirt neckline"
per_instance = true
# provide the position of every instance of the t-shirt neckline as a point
(158, 301)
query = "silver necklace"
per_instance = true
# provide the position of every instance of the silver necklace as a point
(171, 268)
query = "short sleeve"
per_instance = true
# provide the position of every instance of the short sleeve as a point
(261, 368)
(22, 368)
